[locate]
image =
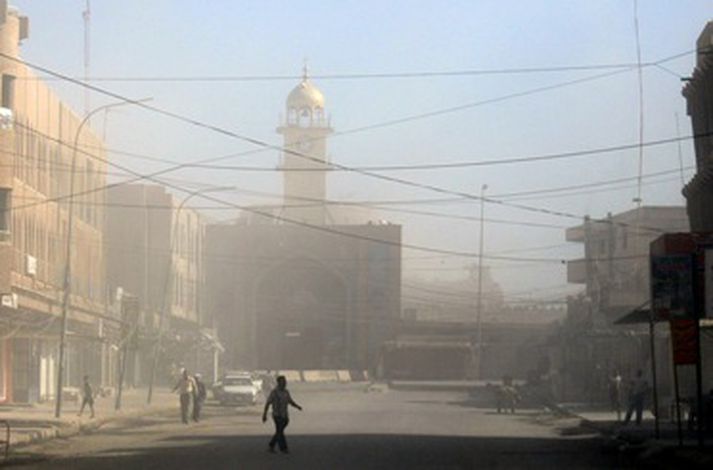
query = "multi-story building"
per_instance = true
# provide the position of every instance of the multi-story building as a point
(699, 99)
(615, 266)
(154, 251)
(37, 138)
(615, 273)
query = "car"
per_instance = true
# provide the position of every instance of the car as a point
(236, 389)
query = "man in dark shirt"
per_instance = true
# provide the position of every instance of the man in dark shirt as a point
(87, 397)
(280, 400)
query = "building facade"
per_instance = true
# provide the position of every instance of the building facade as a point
(590, 345)
(290, 297)
(699, 101)
(37, 138)
(154, 251)
(615, 266)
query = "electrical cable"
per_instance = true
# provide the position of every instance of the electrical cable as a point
(265, 145)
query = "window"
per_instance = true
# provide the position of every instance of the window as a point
(4, 210)
(8, 91)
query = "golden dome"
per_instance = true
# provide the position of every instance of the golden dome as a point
(305, 95)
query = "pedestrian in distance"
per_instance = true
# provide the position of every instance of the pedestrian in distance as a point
(615, 393)
(87, 397)
(280, 399)
(186, 387)
(199, 396)
(638, 389)
(268, 384)
(507, 396)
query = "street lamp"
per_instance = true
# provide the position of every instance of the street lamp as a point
(66, 285)
(168, 278)
(479, 311)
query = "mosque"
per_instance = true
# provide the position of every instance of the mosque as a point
(297, 288)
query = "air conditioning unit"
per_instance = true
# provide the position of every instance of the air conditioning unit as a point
(119, 293)
(8, 300)
(31, 266)
(6, 119)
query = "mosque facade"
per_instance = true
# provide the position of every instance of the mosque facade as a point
(295, 289)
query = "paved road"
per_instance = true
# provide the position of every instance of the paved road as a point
(341, 428)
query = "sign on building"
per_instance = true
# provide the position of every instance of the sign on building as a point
(684, 340)
(672, 294)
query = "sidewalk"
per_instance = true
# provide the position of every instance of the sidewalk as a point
(639, 441)
(32, 423)
(607, 421)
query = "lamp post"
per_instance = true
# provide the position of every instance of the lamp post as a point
(479, 308)
(168, 278)
(66, 285)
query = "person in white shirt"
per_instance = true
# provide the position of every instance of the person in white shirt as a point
(186, 387)
(280, 399)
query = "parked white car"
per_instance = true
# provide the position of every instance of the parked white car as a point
(236, 389)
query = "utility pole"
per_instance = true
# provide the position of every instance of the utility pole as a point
(168, 278)
(67, 283)
(479, 308)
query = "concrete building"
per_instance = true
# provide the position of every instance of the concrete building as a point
(290, 297)
(154, 251)
(289, 288)
(615, 272)
(615, 266)
(430, 350)
(699, 100)
(36, 141)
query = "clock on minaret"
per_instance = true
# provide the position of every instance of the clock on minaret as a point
(304, 145)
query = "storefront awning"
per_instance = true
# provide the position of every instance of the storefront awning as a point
(643, 315)
(639, 315)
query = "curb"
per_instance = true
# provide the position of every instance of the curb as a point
(602, 429)
(648, 453)
(74, 428)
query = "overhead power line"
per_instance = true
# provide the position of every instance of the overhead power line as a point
(455, 165)
(358, 76)
(277, 218)
(264, 145)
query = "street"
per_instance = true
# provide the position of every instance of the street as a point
(342, 427)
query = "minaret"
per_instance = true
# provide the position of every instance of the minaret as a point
(305, 130)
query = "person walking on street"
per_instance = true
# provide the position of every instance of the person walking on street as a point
(280, 400)
(638, 389)
(199, 397)
(507, 396)
(87, 397)
(268, 383)
(615, 393)
(185, 386)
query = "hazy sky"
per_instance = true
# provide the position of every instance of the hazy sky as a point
(161, 38)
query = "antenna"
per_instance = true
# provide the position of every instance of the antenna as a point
(86, 15)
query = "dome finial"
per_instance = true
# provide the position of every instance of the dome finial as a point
(305, 70)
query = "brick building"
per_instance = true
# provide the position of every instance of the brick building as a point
(36, 141)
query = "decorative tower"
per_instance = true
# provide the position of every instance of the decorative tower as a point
(304, 160)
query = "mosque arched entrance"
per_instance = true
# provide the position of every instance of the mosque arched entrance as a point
(301, 317)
